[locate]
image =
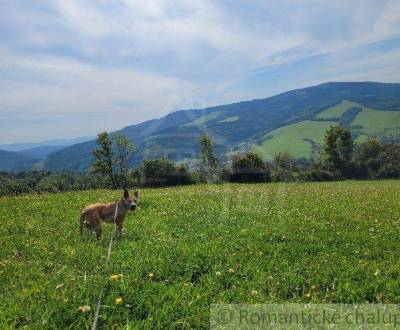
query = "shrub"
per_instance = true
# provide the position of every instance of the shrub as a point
(163, 172)
(249, 167)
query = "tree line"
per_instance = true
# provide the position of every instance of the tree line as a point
(339, 159)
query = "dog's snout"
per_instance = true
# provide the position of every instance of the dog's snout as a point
(133, 206)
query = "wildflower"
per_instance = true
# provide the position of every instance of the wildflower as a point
(84, 309)
(151, 275)
(377, 272)
(231, 270)
(218, 273)
(118, 300)
(115, 277)
(254, 292)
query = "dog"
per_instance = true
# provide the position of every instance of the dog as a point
(92, 215)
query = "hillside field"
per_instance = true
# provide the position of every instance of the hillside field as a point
(187, 247)
(305, 138)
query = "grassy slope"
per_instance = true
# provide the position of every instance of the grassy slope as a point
(204, 119)
(290, 139)
(318, 242)
(336, 111)
(378, 123)
(229, 119)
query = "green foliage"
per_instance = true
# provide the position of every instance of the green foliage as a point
(163, 172)
(209, 162)
(123, 151)
(104, 161)
(188, 247)
(338, 149)
(284, 168)
(249, 167)
(112, 156)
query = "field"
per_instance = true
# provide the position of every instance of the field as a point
(304, 138)
(188, 247)
(294, 139)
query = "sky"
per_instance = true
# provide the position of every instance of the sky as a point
(72, 68)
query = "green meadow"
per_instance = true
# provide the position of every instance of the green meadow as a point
(304, 138)
(188, 247)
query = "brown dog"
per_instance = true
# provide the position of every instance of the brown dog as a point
(93, 214)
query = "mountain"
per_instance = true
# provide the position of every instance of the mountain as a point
(41, 152)
(294, 121)
(50, 143)
(11, 161)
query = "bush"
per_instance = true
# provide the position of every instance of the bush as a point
(249, 167)
(163, 172)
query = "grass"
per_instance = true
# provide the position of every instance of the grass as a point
(188, 247)
(204, 119)
(337, 110)
(229, 119)
(378, 123)
(298, 139)
(293, 139)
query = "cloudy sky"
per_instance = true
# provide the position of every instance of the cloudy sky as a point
(76, 67)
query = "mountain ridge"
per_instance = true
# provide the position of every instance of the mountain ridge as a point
(240, 125)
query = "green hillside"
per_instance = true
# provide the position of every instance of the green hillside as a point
(304, 139)
(250, 123)
(300, 140)
(336, 111)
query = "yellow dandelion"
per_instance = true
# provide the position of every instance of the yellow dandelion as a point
(118, 300)
(151, 275)
(84, 309)
(114, 277)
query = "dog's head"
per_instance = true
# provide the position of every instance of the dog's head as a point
(130, 201)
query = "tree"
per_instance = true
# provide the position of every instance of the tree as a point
(164, 172)
(284, 167)
(104, 162)
(249, 167)
(123, 151)
(338, 149)
(209, 161)
(109, 164)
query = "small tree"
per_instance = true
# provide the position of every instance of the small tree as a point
(104, 162)
(209, 162)
(338, 149)
(109, 164)
(123, 151)
(284, 167)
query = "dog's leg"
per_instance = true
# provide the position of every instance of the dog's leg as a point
(97, 230)
(118, 230)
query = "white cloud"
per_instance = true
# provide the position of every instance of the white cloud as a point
(131, 60)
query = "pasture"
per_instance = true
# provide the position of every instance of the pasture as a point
(188, 247)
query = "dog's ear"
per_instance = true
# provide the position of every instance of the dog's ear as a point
(136, 194)
(126, 194)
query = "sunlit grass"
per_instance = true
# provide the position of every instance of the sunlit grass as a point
(188, 247)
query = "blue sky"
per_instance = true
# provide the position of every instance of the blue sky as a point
(76, 67)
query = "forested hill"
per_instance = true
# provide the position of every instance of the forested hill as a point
(293, 121)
